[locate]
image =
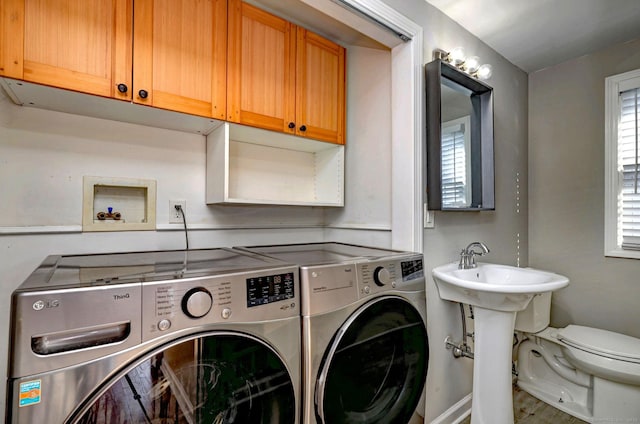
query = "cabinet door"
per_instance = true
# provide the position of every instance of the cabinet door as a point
(180, 55)
(320, 88)
(82, 45)
(261, 66)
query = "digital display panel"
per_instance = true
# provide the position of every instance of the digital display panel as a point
(268, 289)
(412, 270)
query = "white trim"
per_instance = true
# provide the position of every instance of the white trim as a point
(378, 11)
(613, 86)
(41, 229)
(381, 14)
(63, 229)
(457, 413)
(214, 227)
(384, 228)
(407, 82)
(69, 229)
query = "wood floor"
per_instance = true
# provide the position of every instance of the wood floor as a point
(529, 410)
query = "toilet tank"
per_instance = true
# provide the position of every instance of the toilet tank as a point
(536, 316)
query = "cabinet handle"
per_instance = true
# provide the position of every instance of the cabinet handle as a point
(143, 94)
(303, 128)
(292, 125)
(123, 88)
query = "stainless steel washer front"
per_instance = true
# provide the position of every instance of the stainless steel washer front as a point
(199, 336)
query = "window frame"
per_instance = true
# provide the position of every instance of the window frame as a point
(614, 85)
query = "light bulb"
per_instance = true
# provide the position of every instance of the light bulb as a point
(456, 56)
(472, 64)
(484, 72)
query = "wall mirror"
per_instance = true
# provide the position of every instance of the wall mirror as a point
(460, 173)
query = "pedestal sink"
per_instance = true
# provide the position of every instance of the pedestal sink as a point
(496, 292)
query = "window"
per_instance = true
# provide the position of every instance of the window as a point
(456, 166)
(622, 165)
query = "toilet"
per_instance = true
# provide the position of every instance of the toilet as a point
(590, 373)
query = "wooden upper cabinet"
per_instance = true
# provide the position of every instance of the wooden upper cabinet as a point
(320, 88)
(261, 69)
(282, 77)
(82, 45)
(180, 54)
(215, 58)
(164, 53)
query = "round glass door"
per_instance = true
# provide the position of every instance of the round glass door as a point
(217, 378)
(376, 366)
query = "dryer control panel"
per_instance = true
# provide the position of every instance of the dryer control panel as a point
(169, 306)
(387, 275)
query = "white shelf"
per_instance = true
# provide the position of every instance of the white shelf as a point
(247, 165)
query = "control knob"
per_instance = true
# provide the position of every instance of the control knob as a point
(381, 276)
(197, 302)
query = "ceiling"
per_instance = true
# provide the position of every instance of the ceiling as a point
(535, 34)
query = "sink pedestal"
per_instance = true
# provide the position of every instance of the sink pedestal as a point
(492, 401)
(496, 292)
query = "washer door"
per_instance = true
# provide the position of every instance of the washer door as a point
(375, 368)
(214, 378)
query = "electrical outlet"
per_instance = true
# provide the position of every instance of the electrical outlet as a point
(175, 216)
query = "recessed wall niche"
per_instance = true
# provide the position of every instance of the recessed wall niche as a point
(118, 204)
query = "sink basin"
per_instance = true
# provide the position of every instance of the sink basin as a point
(498, 287)
(497, 292)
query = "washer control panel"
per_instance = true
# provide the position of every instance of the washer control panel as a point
(174, 305)
(381, 276)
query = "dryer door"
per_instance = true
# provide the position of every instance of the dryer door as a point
(375, 368)
(214, 378)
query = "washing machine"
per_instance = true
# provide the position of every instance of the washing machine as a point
(198, 336)
(365, 344)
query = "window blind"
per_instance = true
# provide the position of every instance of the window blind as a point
(454, 169)
(629, 165)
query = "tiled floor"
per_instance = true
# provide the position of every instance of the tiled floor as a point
(529, 410)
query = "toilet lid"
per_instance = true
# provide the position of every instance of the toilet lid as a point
(602, 342)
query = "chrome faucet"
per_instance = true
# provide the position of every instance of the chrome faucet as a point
(468, 255)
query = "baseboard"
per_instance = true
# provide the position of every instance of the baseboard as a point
(457, 413)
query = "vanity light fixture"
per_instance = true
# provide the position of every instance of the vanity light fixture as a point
(484, 72)
(456, 56)
(469, 65)
(472, 64)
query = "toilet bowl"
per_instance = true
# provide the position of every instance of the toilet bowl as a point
(590, 373)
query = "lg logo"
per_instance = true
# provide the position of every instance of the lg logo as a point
(42, 304)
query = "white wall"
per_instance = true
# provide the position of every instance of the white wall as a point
(566, 189)
(368, 147)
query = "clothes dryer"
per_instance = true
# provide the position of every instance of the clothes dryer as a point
(198, 336)
(365, 344)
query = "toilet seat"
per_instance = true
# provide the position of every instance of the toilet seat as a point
(601, 342)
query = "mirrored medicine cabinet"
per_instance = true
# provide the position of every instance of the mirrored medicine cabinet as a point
(460, 168)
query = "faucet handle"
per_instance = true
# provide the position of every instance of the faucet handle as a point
(463, 259)
(472, 258)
